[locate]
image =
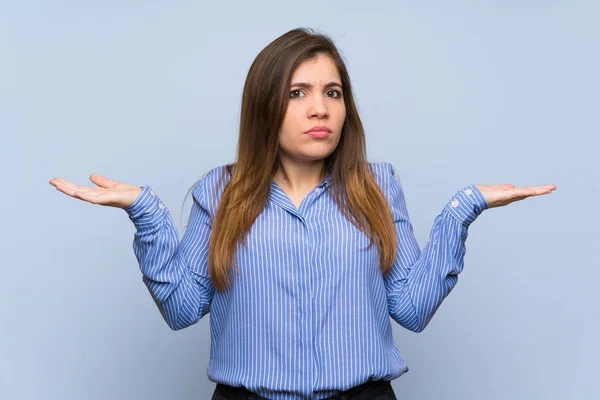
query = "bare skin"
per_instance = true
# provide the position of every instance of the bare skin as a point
(107, 193)
(501, 195)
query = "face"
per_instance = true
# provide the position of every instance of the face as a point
(316, 100)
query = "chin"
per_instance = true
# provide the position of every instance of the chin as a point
(317, 155)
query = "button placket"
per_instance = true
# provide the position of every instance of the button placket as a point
(307, 296)
(312, 274)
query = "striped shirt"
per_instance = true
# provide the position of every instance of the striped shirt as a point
(309, 313)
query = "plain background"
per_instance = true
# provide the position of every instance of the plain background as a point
(148, 92)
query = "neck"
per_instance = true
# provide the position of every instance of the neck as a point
(300, 176)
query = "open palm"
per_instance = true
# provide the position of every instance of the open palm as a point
(501, 195)
(107, 193)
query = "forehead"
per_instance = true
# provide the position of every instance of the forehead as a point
(320, 68)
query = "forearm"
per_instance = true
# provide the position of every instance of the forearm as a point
(421, 280)
(435, 273)
(182, 296)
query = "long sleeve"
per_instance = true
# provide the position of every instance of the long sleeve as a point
(420, 280)
(175, 273)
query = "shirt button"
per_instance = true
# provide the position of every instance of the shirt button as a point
(161, 205)
(454, 203)
(152, 193)
(468, 192)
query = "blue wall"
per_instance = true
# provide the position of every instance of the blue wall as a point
(148, 92)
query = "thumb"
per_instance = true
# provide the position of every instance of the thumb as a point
(102, 181)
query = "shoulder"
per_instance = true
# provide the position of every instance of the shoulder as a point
(209, 188)
(387, 178)
(384, 173)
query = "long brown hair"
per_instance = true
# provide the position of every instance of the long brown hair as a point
(264, 103)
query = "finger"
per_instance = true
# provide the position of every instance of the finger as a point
(548, 188)
(67, 186)
(538, 190)
(524, 192)
(102, 181)
(99, 196)
(66, 190)
(543, 189)
(540, 187)
(61, 181)
(72, 189)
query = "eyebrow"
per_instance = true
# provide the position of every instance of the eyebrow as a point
(310, 86)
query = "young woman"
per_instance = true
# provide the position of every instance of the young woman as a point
(302, 249)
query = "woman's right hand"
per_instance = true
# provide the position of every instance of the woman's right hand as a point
(108, 193)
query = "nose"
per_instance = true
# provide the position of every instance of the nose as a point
(318, 107)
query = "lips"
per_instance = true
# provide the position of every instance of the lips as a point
(319, 129)
(318, 134)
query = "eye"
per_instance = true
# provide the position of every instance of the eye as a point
(296, 93)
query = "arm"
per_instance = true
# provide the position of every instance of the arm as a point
(175, 273)
(420, 280)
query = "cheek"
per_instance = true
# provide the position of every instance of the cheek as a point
(292, 125)
(342, 113)
(288, 135)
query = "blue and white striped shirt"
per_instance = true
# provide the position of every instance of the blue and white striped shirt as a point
(308, 315)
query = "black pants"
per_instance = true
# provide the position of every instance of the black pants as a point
(372, 390)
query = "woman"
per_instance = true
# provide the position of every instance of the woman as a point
(319, 237)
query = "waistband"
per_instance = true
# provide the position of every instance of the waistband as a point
(371, 389)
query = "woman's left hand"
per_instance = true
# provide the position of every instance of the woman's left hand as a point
(501, 195)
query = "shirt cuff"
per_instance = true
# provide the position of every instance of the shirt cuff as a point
(467, 204)
(147, 210)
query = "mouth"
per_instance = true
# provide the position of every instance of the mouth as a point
(316, 129)
(318, 134)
